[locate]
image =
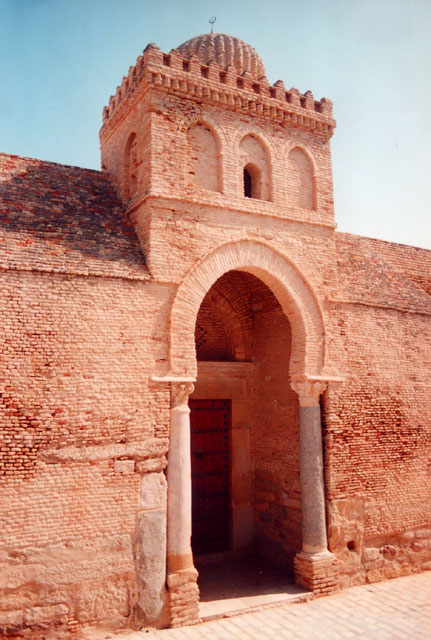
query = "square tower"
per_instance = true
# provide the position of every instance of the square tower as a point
(198, 135)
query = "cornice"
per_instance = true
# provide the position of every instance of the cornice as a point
(184, 78)
(267, 209)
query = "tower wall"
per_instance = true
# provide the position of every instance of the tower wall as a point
(165, 95)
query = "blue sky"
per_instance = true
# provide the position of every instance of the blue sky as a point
(62, 59)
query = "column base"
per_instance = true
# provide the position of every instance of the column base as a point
(183, 597)
(317, 572)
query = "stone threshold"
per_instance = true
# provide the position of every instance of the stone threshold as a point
(208, 610)
(233, 583)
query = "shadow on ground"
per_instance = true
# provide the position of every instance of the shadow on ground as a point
(229, 585)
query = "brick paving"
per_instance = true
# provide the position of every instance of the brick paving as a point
(394, 610)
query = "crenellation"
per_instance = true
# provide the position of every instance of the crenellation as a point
(293, 97)
(212, 72)
(194, 68)
(326, 106)
(152, 54)
(172, 72)
(309, 102)
(139, 67)
(132, 75)
(125, 86)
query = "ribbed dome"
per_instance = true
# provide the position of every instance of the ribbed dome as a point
(225, 50)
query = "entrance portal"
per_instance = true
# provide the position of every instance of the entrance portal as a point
(210, 433)
(259, 342)
(245, 499)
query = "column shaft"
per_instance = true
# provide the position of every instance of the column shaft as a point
(314, 538)
(183, 591)
(315, 567)
(179, 490)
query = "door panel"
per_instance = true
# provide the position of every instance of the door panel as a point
(210, 431)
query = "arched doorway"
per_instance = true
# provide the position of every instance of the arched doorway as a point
(304, 370)
(244, 424)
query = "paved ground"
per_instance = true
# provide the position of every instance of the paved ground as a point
(394, 610)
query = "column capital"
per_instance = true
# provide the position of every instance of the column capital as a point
(180, 392)
(308, 390)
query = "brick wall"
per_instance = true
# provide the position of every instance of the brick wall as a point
(412, 262)
(79, 428)
(378, 438)
(275, 439)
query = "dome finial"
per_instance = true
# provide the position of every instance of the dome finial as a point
(211, 21)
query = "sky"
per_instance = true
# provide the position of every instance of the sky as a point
(60, 60)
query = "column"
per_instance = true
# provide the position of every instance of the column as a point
(179, 480)
(315, 566)
(182, 576)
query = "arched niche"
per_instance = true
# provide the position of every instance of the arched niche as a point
(130, 164)
(301, 180)
(204, 164)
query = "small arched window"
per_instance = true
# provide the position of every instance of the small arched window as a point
(252, 181)
(247, 183)
(255, 168)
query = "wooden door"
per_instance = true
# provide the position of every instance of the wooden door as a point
(210, 431)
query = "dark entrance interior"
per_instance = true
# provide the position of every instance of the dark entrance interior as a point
(246, 507)
(210, 429)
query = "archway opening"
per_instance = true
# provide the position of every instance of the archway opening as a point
(254, 159)
(244, 430)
